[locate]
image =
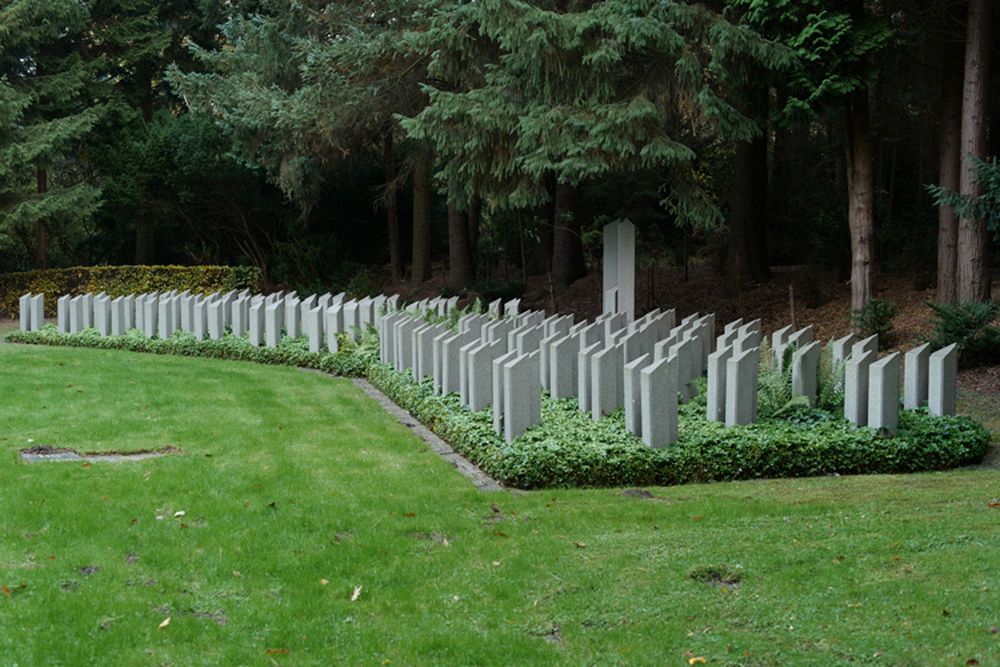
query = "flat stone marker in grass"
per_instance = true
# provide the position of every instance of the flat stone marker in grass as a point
(856, 372)
(916, 367)
(883, 394)
(741, 387)
(658, 402)
(942, 375)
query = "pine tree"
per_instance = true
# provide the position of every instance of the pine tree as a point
(48, 106)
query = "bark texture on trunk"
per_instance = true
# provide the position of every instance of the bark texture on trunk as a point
(567, 245)
(421, 266)
(973, 275)
(747, 241)
(461, 272)
(391, 208)
(860, 198)
(41, 227)
(949, 163)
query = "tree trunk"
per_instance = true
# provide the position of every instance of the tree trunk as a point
(421, 266)
(460, 268)
(567, 245)
(948, 169)
(41, 227)
(973, 260)
(860, 198)
(475, 214)
(540, 260)
(392, 210)
(747, 243)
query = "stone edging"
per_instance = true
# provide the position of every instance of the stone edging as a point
(479, 479)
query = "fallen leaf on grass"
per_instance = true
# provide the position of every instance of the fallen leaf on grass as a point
(180, 513)
(163, 623)
(86, 465)
(580, 545)
(356, 594)
(324, 582)
(5, 590)
(277, 651)
(409, 515)
(994, 506)
(697, 660)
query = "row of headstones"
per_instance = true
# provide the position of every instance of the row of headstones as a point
(263, 319)
(505, 362)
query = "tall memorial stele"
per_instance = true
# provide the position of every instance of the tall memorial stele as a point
(619, 269)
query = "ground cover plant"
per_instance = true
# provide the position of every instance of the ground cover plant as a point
(569, 449)
(303, 525)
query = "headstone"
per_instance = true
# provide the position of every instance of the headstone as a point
(717, 370)
(87, 303)
(607, 389)
(199, 326)
(883, 394)
(451, 366)
(63, 314)
(76, 314)
(658, 388)
(498, 393)
(584, 374)
(481, 374)
(805, 372)
(273, 315)
(102, 315)
(942, 375)
(916, 367)
(149, 316)
(313, 324)
(24, 304)
(465, 369)
(741, 387)
(352, 319)
(437, 358)
(562, 360)
(856, 372)
(493, 310)
(118, 316)
(522, 395)
(255, 323)
(238, 316)
(291, 315)
(165, 318)
(869, 344)
(633, 393)
(686, 352)
(216, 318)
(619, 267)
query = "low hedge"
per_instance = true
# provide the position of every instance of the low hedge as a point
(350, 362)
(569, 449)
(122, 280)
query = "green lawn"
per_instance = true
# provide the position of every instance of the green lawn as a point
(297, 489)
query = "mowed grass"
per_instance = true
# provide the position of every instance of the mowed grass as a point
(297, 490)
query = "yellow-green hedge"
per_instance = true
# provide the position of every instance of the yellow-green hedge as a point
(121, 280)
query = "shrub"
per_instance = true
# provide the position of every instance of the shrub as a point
(969, 325)
(876, 319)
(122, 280)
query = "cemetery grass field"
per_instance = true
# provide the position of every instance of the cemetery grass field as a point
(295, 493)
